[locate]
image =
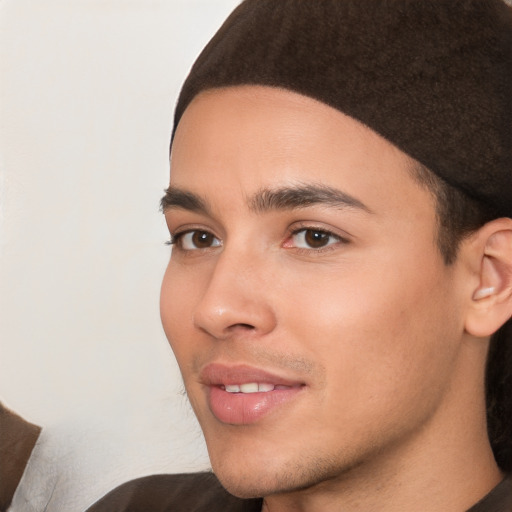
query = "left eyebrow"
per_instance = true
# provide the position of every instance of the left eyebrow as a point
(303, 195)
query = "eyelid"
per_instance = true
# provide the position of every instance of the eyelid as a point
(184, 228)
(319, 226)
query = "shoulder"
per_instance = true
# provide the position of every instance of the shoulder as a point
(17, 440)
(498, 500)
(193, 492)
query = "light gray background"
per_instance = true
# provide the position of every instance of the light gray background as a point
(87, 90)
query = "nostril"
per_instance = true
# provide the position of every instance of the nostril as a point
(244, 326)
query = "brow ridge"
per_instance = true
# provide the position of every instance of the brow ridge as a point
(183, 199)
(303, 195)
(288, 197)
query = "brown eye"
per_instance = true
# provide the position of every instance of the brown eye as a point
(202, 239)
(197, 239)
(314, 239)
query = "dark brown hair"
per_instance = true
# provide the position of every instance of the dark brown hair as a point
(459, 215)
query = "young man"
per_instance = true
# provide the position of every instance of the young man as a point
(340, 288)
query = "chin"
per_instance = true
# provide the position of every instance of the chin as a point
(246, 480)
(251, 484)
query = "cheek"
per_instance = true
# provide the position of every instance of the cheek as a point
(176, 299)
(378, 330)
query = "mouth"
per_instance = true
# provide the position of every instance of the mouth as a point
(243, 395)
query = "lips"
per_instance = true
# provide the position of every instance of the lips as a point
(242, 395)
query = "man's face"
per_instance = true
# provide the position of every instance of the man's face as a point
(311, 314)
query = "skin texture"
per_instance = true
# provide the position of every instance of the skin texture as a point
(372, 325)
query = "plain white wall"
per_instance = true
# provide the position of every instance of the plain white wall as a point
(87, 90)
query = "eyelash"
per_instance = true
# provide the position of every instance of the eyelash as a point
(177, 240)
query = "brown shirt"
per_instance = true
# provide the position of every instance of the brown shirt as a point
(202, 492)
(498, 500)
(17, 439)
(194, 492)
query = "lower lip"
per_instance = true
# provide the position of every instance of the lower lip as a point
(247, 408)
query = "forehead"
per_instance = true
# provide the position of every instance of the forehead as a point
(235, 141)
(282, 122)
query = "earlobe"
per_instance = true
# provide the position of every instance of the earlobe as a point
(491, 301)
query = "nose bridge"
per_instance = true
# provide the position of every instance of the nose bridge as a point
(235, 299)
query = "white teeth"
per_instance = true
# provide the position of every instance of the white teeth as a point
(249, 387)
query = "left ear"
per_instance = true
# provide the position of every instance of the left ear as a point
(491, 301)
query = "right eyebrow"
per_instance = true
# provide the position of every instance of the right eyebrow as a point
(177, 198)
(303, 195)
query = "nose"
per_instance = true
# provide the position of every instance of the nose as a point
(236, 300)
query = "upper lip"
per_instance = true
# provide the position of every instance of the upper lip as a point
(217, 374)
